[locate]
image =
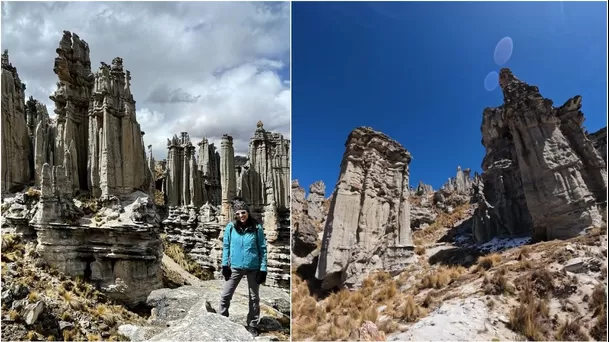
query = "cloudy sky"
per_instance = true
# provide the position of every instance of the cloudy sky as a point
(204, 68)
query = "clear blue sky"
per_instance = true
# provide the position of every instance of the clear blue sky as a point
(416, 72)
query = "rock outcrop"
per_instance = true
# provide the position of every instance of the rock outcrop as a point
(266, 175)
(209, 164)
(304, 234)
(542, 175)
(93, 148)
(368, 225)
(423, 189)
(117, 159)
(119, 249)
(599, 140)
(184, 186)
(16, 155)
(72, 98)
(315, 202)
(228, 177)
(42, 136)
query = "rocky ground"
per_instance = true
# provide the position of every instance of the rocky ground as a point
(40, 303)
(505, 289)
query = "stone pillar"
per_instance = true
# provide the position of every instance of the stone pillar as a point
(227, 176)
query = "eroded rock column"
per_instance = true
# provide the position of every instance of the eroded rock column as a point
(369, 213)
(116, 151)
(227, 176)
(72, 97)
(209, 165)
(541, 173)
(15, 139)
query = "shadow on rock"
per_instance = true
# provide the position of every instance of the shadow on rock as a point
(458, 256)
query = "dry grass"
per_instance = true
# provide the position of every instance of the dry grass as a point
(498, 284)
(408, 310)
(599, 330)
(531, 319)
(419, 250)
(340, 315)
(64, 299)
(441, 277)
(571, 331)
(598, 300)
(176, 252)
(489, 261)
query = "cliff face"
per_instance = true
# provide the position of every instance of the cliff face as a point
(116, 156)
(369, 214)
(542, 175)
(16, 153)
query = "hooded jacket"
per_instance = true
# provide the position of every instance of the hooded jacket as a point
(244, 251)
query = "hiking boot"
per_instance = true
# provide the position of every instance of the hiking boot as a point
(252, 331)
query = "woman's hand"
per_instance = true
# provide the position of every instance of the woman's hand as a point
(261, 277)
(226, 272)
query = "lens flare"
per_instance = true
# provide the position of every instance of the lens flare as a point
(503, 50)
(491, 81)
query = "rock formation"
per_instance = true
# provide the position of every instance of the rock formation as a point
(315, 202)
(228, 176)
(542, 175)
(368, 225)
(266, 175)
(72, 98)
(423, 189)
(93, 148)
(117, 160)
(599, 140)
(304, 234)
(42, 137)
(184, 186)
(209, 164)
(15, 164)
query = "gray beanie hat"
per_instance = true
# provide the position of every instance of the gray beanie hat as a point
(239, 205)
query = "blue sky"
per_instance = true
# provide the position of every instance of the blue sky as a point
(416, 71)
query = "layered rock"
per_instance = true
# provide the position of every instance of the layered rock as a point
(209, 164)
(456, 191)
(368, 225)
(423, 189)
(119, 249)
(42, 136)
(16, 153)
(541, 173)
(315, 202)
(199, 228)
(117, 160)
(266, 175)
(228, 177)
(184, 186)
(110, 233)
(304, 234)
(599, 140)
(72, 98)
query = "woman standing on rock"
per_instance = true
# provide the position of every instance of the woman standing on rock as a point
(243, 254)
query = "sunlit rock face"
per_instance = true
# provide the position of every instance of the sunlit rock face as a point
(368, 224)
(542, 175)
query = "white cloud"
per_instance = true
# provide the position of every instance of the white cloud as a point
(206, 68)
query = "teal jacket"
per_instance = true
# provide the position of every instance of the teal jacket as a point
(245, 251)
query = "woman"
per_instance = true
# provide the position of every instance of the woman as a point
(243, 254)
